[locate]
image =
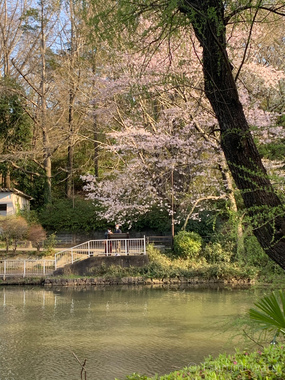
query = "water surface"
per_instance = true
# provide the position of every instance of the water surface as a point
(118, 330)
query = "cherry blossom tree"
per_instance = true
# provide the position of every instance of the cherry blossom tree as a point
(162, 103)
(209, 21)
(161, 151)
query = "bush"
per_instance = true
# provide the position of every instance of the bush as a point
(49, 244)
(13, 229)
(187, 244)
(37, 235)
(214, 253)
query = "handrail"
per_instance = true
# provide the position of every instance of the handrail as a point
(32, 267)
(105, 247)
(101, 247)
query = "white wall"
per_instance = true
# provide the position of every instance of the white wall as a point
(14, 203)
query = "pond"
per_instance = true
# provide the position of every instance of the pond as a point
(118, 330)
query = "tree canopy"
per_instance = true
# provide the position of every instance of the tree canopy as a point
(152, 22)
(164, 103)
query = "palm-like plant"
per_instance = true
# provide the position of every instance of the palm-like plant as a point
(271, 313)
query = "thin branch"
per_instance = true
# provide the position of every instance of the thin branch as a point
(83, 370)
(254, 341)
(247, 43)
(210, 197)
(247, 7)
(24, 77)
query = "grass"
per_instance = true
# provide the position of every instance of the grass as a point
(268, 363)
(164, 266)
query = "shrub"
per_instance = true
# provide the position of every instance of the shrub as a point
(37, 235)
(187, 244)
(214, 253)
(49, 244)
(13, 229)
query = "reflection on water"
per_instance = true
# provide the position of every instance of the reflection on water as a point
(119, 330)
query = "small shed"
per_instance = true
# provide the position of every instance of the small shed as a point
(13, 200)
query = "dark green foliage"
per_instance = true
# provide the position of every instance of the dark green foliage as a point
(254, 254)
(15, 128)
(30, 179)
(31, 216)
(15, 124)
(206, 225)
(155, 220)
(67, 215)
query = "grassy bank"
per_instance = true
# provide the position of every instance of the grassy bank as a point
(163, 266)
(268, 363)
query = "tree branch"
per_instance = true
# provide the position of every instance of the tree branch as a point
(256, 7)
(210, 197)
(247, 43)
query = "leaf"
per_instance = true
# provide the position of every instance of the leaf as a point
(271, 313)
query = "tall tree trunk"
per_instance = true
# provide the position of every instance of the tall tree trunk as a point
(6, 72)
(70, 150)
(5, 36)
(46, 143)
(96, 146)
(95, 122)
(240, 151)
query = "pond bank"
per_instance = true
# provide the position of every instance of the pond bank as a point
(87, 281)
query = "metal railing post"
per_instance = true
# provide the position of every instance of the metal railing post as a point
(44, 267)
(71, 255)
(24, 269)
(144, 245)
(88, 245)
(4, 276)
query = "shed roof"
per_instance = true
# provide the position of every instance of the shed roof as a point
(15, 191)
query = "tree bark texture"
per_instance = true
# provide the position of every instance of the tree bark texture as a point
(244, 161)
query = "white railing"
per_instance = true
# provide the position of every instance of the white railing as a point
(24, 268)
(104, 247)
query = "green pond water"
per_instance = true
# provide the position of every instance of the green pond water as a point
(118, 330)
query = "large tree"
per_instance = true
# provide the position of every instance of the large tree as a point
(209, 20)
(209, 23)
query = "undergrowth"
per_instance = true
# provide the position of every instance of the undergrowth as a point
(167, 266)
